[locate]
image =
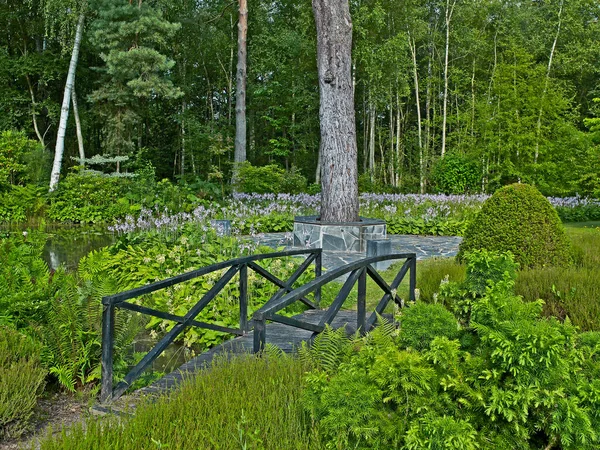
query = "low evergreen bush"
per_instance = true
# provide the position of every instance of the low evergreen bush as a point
(515, 380)
(517, 218)
(423, 322)
(21, 382)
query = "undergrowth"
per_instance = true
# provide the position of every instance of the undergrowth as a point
(241, 403)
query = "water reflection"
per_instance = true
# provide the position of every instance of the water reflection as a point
(68, 244)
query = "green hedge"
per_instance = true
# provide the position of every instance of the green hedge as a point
(519, 219)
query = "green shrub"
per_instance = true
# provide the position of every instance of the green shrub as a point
(517, 218)
(423, 322)
(20, 203)
(15, 151)
(268, 179)
(89, 198)
(523, 382)
(456, 174)
(21, 382)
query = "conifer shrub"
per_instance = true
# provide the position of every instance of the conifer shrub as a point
(21, 381)
(423, 322)
(519, 219)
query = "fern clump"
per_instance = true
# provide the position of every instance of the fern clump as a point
(22, 380)
(519, 219)
(424, 322)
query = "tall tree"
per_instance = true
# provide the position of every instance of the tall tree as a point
(64, 111)
(240, 91)
(336, 113)
(130, 37)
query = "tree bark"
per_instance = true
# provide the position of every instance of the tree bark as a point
(64, 111)
(336, 112)
(240, 91)
(78, 126)
(448, 19)
(545, 91)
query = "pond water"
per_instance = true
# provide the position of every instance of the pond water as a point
(67, 244)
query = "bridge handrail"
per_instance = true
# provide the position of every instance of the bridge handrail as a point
(357, 271)
(111, 302)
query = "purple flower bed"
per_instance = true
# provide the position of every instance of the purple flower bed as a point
(253, 213)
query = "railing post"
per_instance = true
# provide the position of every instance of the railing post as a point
(318, 271)
(361, 312)
(413, 279)
(260, 331)
(108, 327)
(244, 298)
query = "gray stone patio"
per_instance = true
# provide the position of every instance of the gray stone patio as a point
(423, 246)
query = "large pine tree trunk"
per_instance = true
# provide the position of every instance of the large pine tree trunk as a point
(240, 91)
(64, 111)
(336, 113)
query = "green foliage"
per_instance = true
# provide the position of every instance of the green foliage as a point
(89, 198)
(518, 381)
(135, 261)
(517, 218)
(241, 402)
(26, 284)
(423, 322)
(130, 38)
(21, 203)
(22, 380)
(15, 151)
(420, 226)
(456, 173)
(268, 179)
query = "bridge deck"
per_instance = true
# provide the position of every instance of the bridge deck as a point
(285, 337)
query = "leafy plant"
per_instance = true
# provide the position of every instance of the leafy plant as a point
(514, 380)
(22, 380)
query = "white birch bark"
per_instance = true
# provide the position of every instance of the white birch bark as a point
(545, 91)
(448, 16)
(64, 111)
(78, 126)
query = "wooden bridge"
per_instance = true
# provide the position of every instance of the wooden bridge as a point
(266, 325)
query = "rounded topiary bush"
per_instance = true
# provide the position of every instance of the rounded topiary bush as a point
(519, 219)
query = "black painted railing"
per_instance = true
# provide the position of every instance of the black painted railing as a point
(357, 273)
(239, 265)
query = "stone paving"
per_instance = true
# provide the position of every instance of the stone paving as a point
(423, 246)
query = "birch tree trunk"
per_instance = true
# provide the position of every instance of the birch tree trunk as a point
(64, 111)
(78, 126)
(336, 112)
(240, 90)
(412, 45)
(448, 19)
(545, 91)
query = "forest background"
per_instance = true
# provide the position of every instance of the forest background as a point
(451, 96)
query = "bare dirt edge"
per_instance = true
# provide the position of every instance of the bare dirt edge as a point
(57, 411)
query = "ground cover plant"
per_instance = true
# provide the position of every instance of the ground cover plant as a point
(246, 402)
(566, 291)
(22, 380)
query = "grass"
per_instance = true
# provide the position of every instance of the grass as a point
(572, 292)
(241, 403)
